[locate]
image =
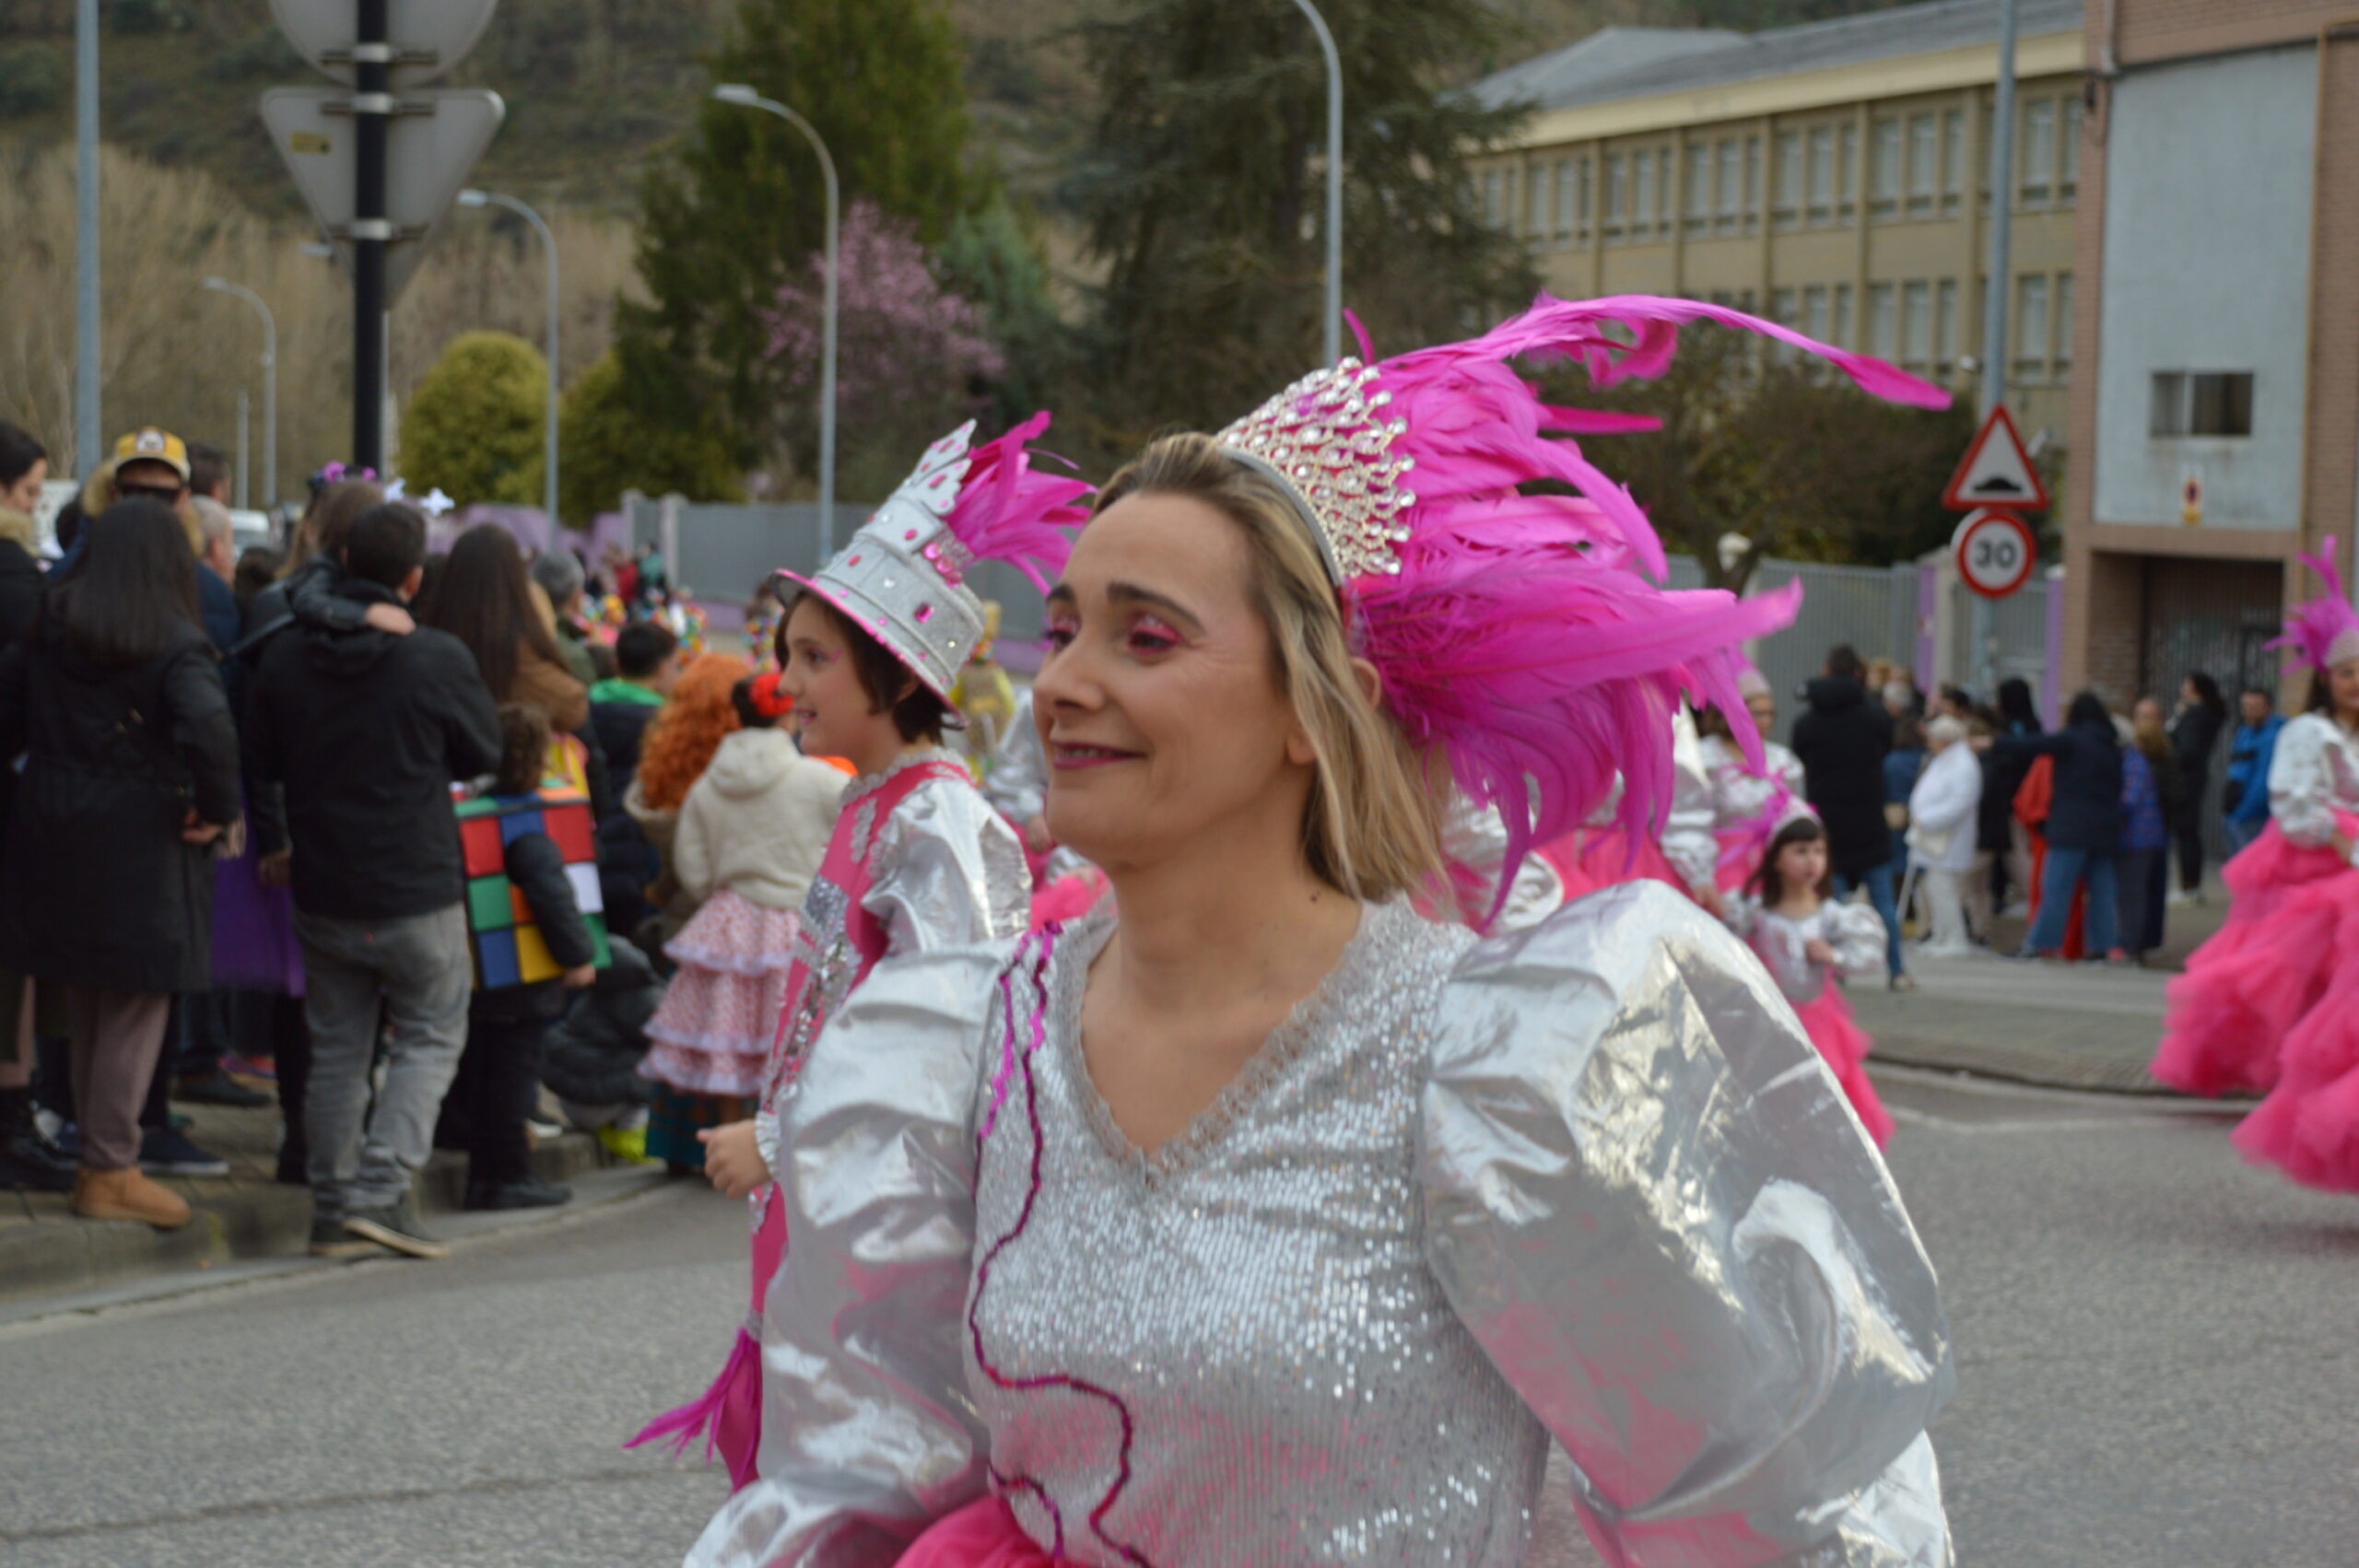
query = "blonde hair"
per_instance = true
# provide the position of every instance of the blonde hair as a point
(1371, 829)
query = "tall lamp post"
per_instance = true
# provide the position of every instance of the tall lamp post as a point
(88, 436)
(739, 93)
(475, 198)
(1334, 333)
(269, 384)
(1985, 621)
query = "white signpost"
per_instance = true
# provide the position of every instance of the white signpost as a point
(427, 37)
(1995, 552)
(431, 148)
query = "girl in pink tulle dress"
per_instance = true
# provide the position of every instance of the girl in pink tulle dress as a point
(751, 836)
(2271, 1002)
(1788, 916)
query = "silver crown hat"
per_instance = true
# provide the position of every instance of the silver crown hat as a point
(903, 578)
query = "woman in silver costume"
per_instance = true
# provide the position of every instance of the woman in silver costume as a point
(1273, 1225)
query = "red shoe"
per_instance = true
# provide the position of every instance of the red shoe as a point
(262, 1069)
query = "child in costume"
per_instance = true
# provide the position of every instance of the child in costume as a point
(1721, 850)
(499, 1077)
(1582, 1181)
(2271, 1002)
(1789, 918)
(984, 698)
(749, 840)
(918, 861)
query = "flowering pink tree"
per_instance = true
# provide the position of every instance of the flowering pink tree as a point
(907, 349)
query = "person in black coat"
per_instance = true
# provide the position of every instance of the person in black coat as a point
(2083, 828)
(131, 774)
(24, 469)
(1841, 741)
(28, 1161)
(2195, 734)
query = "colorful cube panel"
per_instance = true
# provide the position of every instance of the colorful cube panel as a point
(515, 824)
(482, 846)
(570, 828)
(491, 903)
(532, 959)
(509, 949)
(587, 897)
(496, 961)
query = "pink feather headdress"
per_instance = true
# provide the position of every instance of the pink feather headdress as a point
(1527, 635)
(902, 577)
(2325, 631)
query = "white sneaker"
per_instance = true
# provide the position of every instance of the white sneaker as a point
(2180, 898)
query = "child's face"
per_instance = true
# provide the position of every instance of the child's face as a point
(832, 710)
(1803, 864)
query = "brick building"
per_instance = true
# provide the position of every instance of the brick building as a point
(2214, 422)
(1834, 175)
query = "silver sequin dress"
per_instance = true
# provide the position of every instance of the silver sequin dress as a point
(1584, 1180)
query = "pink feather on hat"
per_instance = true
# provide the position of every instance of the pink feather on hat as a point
(1526, 636)
(1008, 511)
(2324, 632)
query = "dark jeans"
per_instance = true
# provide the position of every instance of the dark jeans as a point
(2187, 831)
(207, 1034)
(2068, 869)
(1882, 884)
(2144, 876)
(498, 1083)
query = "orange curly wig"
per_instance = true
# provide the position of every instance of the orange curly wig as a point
(687, 729)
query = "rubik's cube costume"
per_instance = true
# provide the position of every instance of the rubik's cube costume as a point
(502, 931)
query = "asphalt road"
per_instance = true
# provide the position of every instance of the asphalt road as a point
(2154, 1345)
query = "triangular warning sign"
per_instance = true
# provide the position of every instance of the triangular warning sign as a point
(1997, 471)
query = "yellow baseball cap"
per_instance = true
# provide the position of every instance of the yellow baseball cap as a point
(149, 444)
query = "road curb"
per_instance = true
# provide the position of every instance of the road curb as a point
(58, 1254)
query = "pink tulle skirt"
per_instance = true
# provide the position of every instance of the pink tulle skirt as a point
(1591, 857)
(2309, 1126)
(984, 1534)
(1827, 1020)
(2231, 1013)
(711, 1032)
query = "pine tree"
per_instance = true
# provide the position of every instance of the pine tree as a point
(742, 205)
(1203, 198)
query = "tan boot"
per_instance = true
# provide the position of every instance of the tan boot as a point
(128, 1195)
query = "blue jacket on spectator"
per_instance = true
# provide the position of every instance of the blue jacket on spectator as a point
(2249, 750)
(2141, 805)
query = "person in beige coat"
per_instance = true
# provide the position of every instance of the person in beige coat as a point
(750, 837)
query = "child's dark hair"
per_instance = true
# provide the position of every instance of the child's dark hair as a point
(641, 647)
(917, 713)
(524, 748)
(1767, 882)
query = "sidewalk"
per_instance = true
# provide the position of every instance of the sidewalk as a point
(2066, 1026)
(46, 1252)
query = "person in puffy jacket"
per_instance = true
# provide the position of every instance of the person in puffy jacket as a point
(589, 1058)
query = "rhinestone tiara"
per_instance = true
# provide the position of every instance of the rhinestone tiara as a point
(1328, 441)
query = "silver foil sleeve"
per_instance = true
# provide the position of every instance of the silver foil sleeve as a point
(951, 873)
(1646, 1198)
(868, 1434)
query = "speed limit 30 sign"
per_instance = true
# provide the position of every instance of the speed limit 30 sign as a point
(1995, 552)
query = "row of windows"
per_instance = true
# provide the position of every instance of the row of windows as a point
(1915, 168)
(1921, 323)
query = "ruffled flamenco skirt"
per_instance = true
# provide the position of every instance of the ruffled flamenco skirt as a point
(1826, 1019)
(711, 1032)
(2308, 1125)
(2232, 1016)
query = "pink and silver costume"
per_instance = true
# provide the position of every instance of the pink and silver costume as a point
(1855, 933)
(919, 861)
(1584, 1180)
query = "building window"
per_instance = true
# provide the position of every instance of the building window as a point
(1663, 181)
(2037, 184)
(2202, 402)
(1492, 217)
(1883, 167)
(1789, 202)
(2063, 324)
(1642, 195)
(1952, 159)
(1616, 194)
(1821, 174)
(1917, 325)
(1731, 205)
(1698, 205)
(2031, 326)
(1753, 190)
(1849, 170)
(1814, 322)
(1581, 200)
(1535, 205)
(1562, 181)
(1946, 324)
(2068, 153)
(1839, 330)
(1782, 303)
(1883, 340)
(1924, 156)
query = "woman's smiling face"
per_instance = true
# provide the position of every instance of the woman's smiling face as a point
(1159, 700)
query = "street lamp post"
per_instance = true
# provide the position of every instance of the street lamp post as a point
(739, 93)
(1334, 329)
(86, 434)
(473, 198)
(269, 387)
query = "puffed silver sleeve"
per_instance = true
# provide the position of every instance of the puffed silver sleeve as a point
(1646, 1198)
(1017, 784)
(867, 1431)
(1856, 933)
(1688, 831)
(2301, 781)
(1474, 841)
(950, 872)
